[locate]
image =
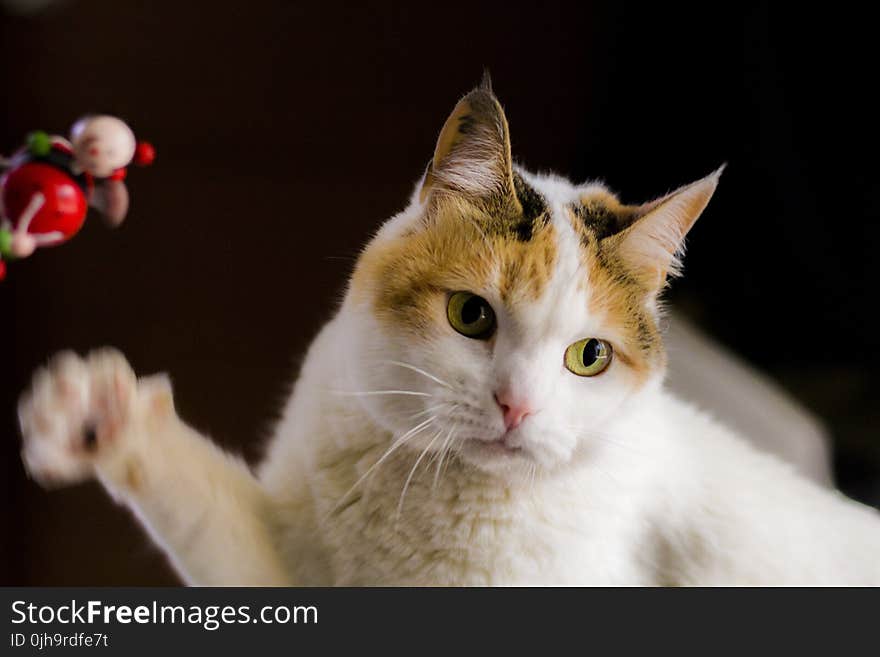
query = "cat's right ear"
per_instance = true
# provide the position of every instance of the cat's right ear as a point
(654, 238)
(472, 156)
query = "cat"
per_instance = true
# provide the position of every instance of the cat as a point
(486, 408)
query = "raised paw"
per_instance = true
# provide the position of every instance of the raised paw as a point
(74, 414)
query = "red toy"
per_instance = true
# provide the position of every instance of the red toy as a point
(49, 185)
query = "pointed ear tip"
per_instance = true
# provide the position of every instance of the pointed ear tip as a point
(710, 181)
(715, 175)
(485, 87)
(486, 81)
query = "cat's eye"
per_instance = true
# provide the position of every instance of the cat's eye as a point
(588, 357)
(470, 315)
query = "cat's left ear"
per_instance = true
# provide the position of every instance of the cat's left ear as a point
(472, 156)
(654, 238)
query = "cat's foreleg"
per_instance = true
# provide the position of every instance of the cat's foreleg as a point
(91, 417)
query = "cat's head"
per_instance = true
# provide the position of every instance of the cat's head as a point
(509, 316)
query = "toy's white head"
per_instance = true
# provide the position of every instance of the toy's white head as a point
(508, 316)
(102, 144)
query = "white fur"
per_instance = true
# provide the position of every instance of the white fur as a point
(614, 484)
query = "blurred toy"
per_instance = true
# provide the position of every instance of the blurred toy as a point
(49, 184)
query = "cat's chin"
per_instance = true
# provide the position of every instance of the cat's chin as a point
(496, 457)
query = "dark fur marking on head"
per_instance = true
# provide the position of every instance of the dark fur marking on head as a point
(534, 209)
(533, 204)
(599, 219)
(646, 335)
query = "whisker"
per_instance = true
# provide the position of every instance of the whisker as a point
(444, 450)
(436, 454)
(448, 414)
(408, 414)
(428, 410)
(395, 445)
(419, 371)
(368, 393)
(453, 448)
(413, 471)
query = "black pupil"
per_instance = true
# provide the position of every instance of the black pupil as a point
(473, 310)
(591, 352)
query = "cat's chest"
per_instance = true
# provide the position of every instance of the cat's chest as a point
(459, 530)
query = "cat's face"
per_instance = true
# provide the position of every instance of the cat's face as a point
(510, 317)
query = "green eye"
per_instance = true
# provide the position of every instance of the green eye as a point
(588, 357)
(470, 315)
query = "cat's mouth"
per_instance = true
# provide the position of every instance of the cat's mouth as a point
(501, 447)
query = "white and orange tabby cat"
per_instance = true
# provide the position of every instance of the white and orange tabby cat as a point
(486, 407)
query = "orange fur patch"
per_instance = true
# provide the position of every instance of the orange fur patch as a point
(459, 246)
(615, 293)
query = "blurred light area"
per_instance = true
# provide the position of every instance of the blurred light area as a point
(28, 7)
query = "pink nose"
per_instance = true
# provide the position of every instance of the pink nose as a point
(514, 410)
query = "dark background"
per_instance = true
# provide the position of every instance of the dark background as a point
(288, 131)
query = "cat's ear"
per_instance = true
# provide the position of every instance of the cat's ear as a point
(472, 156)
(654, 238)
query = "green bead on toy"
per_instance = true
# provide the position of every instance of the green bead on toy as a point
(5, 243)
(38, 143)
